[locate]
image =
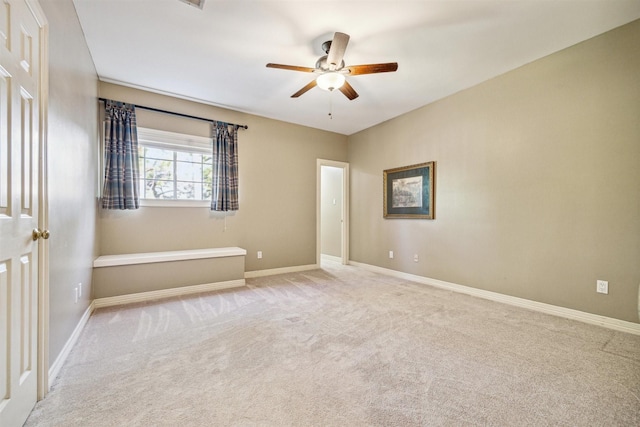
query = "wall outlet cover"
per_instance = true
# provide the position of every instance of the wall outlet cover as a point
(602, 287)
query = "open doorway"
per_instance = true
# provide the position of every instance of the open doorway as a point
(332, 217)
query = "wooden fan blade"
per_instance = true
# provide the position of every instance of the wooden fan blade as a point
(355, 70)
(336, 52)
(348, 91)
(308, 87)
(291, 67)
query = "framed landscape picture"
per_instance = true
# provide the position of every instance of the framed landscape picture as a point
(409, 191)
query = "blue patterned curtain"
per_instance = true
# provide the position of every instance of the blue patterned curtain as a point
(225, 167)
(120, 189)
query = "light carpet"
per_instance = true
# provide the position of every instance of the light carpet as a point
(342, 346)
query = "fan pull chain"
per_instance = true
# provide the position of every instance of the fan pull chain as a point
(331, 105)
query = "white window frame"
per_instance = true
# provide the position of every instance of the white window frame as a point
(173, 141)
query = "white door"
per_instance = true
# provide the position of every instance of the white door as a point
(19, 180)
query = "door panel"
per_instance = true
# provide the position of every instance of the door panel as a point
(5, 321)
(19, 156)
(5, 132)
(26, 126)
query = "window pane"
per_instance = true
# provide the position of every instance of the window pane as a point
(188, 171)
(206, 191)
(189, 190)
(158, 189)
(186, 190)
(189, 157)
(158, 169)
(198, 190)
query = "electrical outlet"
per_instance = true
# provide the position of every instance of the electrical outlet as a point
(259, 254)
(415, 258)
(391, 254)
(602, 287)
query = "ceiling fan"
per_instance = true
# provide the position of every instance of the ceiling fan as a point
(332, 71)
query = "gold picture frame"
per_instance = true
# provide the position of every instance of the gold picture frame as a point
(409, 191)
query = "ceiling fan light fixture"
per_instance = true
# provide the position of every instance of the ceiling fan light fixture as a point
(330, 81)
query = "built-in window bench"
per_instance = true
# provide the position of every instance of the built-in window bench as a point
(127, 278)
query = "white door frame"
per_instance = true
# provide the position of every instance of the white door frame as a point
(345, 207)
(43, 213)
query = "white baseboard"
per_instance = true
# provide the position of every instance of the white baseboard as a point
(568, 313)
(274, 271)
(166, 293)
(56, 366)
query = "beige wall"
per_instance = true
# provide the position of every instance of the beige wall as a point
(277, 167)
(538, 181)
(72, 170)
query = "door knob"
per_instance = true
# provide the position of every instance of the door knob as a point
(36, 234)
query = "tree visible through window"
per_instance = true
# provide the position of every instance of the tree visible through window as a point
(174, 171)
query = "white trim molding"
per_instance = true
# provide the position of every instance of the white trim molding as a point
(282, 270)
(42, 349)
(150, 257)
(56, 366)
(166, 293)
(567, 313)
(344, 232)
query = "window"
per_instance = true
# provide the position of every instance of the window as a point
(174, 167)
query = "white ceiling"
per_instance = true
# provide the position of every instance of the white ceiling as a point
(218, 55)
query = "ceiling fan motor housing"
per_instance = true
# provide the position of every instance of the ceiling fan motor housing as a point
(323, 65)
(326, 46)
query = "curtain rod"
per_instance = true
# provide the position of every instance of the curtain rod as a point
(184, 115)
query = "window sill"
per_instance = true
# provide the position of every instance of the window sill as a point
(152, 203)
